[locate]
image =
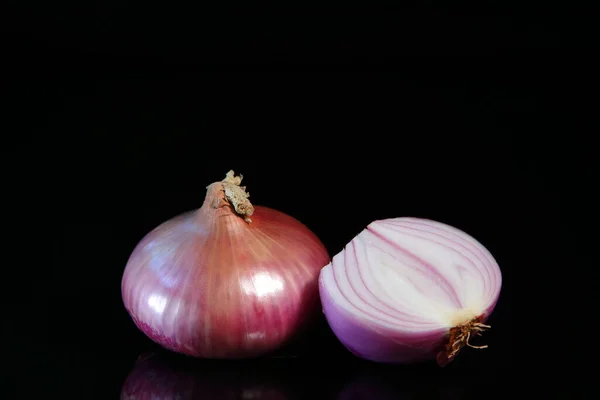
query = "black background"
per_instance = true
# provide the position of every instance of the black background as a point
(119, 116)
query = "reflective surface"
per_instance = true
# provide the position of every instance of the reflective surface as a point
(163, 375)
(92, 361)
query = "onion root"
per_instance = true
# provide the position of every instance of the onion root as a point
(459, 337)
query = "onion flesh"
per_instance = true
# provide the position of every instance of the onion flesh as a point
(409, 289)
(229, 280)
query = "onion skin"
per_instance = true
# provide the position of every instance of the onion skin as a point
(387, 327)
(212, 283)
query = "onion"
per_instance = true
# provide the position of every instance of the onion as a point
(408, 289)
(216, 283)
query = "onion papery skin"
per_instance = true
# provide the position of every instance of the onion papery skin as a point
(157, 376)
(400, 287)
(210, 284)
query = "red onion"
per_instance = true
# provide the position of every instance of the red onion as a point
(409, 289)
(216, 283)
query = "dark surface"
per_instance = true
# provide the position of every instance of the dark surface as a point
(120, 121)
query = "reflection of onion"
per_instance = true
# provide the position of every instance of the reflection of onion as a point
(367, 390)
(392, 384)
(164, 377)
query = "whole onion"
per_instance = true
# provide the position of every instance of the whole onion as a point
(408, 289)
(229, 280)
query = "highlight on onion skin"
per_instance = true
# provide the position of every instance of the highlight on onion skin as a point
(407, 290)
(158, 376)
(229, 280)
